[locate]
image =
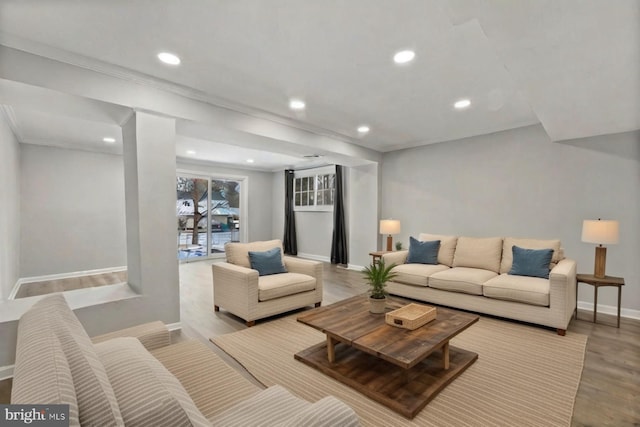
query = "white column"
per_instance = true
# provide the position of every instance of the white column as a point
(150, 195)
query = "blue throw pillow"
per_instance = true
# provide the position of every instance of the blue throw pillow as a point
(423, 252)
(531, 262)
(267, 262)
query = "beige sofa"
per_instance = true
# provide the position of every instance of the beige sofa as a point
(472, 274)
(136, 377)
(239, 289)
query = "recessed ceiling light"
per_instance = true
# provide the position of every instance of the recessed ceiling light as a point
(404, 56)
(250, 160)
(296, 104)
(192, 152)
(109, 140)
(169, 58)
(363, 129)
(463, 103)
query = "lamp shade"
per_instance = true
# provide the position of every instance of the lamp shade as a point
(599, 231)
(389, 226)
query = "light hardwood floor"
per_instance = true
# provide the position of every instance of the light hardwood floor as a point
(609, 392)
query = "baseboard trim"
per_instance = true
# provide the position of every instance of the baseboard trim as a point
(610, 309)
(6, 372)
(25, 280)
(314, 257)
(355, 267)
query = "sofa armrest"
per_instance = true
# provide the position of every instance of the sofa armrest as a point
(397, 257)
(563, 286)
(328, 412)
(152, 335)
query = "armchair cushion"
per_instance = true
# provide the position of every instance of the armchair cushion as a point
(238, 253)
(279, 285)
(267, 262)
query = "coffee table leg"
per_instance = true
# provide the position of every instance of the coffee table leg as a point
(445, 356)
(331, 349)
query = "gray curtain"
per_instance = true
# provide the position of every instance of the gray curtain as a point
(290, 240)
(339, 250)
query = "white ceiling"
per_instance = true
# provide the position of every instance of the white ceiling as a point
(571, 65)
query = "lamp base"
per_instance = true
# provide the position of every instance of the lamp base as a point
(389, 243)
(601, 260)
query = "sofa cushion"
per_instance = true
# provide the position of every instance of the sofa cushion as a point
(474, 252)
(97, 403)
(280, 285)
(447, 246)
(147, 393)
(267, 262)
(41, 373)
(328, 411)
(416, 274)
(269, 407)
(531, 262)
(529, 290)
(238, 253)
(509, 242)
(461, 279)
(423, 252)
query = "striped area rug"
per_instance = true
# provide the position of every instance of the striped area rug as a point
(524, 376)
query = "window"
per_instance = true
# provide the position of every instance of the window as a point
(314, 190)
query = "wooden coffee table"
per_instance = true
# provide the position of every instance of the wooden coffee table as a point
(398, 368)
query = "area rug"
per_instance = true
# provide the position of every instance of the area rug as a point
(524, 376)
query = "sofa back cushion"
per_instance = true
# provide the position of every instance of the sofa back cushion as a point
(41, 374)
(97, 403)
(423, 252)
(148, 394)
(238, 253)
(447, 246)
(509, 242)
(474, 252)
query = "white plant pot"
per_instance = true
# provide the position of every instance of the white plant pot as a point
(377, 306)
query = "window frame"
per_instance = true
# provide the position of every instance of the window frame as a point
(312, 175)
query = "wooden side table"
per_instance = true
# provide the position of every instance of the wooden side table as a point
(597, 283)
(377, 255)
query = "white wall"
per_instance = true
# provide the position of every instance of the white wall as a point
(277, 205)
(73, 211)
(362, 213)
(519, 183)
(259, 197)
(9, 209)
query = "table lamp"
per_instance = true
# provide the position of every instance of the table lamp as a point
(389, 227)
(601, 232)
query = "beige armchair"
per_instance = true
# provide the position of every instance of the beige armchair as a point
(240, 290)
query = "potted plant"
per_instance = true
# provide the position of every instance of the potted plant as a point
(377, 276)
(398, 246)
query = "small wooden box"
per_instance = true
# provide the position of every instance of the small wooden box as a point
(411, 316)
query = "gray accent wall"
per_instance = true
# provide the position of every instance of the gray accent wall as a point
(73, 211)
(9, 209)
(520, 183)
